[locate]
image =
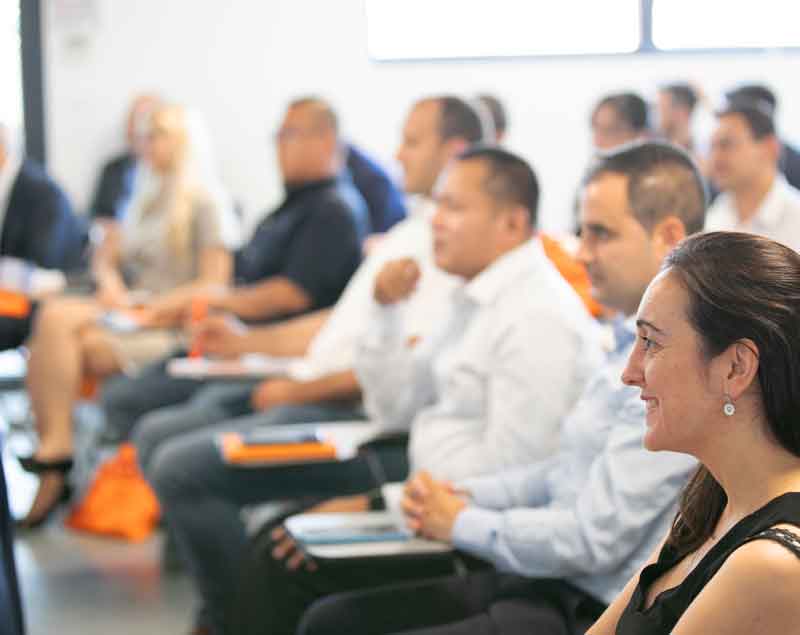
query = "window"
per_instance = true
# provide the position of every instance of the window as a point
(10, 66)
(443, 29)
(464, 29)
(723, 24)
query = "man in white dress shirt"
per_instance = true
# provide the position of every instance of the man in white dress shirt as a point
(177, 448)
(489, 388)
(756, 197)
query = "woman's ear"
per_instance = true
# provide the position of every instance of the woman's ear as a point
(742, 360)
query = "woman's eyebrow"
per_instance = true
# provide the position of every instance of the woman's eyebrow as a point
(640, 323)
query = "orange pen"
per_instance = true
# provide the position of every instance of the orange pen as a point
(198, 311)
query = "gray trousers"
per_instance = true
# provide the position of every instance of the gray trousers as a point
(126, 399)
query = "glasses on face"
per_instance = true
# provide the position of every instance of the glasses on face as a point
(288, 134)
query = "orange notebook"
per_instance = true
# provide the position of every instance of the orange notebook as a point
(236, 451)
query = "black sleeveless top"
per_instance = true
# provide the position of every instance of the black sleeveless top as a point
(669, 606)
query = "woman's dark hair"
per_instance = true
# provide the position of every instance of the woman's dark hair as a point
(741, 286)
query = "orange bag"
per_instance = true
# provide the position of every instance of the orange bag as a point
(119, 502)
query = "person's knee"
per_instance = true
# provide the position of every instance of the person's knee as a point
(323, 617)
(148, 433)
(172, 472)
(99, 357)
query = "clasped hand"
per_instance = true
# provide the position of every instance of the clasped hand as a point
(431, 507)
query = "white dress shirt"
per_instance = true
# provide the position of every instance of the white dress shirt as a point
(778, 216)
(490, 387)
(333, 348)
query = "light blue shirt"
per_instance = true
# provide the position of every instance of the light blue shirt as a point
(593, 513)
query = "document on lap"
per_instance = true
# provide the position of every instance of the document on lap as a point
(358, 535)
(252, 365)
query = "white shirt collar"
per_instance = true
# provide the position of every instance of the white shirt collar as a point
(771, 209)
(421, 206)
(490, 282)
(768, 215)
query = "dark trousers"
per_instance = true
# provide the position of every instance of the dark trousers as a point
(271, 600)
(482, 603)
(14, 331)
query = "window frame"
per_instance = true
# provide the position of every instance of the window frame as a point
(30, 26)
(646, 47)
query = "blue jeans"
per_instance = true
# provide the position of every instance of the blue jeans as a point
(202, 497)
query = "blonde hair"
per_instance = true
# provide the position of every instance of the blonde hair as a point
(190, 177)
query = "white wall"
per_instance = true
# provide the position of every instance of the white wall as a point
(239, 61)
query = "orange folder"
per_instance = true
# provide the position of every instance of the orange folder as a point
(235, 451)
(13, 304)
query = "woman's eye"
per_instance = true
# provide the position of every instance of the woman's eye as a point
(647, 343)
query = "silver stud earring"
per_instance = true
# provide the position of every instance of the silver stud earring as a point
(728, 409)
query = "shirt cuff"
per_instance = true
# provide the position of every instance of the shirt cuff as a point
(475, 531)
(485, 492)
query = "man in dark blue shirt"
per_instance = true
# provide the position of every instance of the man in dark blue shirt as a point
(299, 258)
(384, 199)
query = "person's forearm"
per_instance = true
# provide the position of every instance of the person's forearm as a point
(270, 298)
(290, 338)
(335, 387)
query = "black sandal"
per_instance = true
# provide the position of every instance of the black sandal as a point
(35, 466)
(60, 467)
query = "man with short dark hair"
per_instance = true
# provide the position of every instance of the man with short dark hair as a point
(564, 534)
(755, 197)
(617, 119)
(436, 130)
(489, 388)
(498, 115)
(466, 387)
(676, 103)
(789, 163)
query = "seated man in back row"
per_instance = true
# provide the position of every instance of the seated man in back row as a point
(298, 260)
(468, 386)
(437, 129)
(564, 533)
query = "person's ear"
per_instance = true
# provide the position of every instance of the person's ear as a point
(740, 365)
(772, 146)
(667, 233)
(454, 146)
(517, 220)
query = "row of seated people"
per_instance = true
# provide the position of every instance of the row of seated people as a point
(673, 116)
(488, 358)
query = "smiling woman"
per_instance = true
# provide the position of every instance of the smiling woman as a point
(717, 363)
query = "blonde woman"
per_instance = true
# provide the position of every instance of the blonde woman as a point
(172, 245)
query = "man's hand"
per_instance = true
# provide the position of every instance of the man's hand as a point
(286, 548)
(276, 392)
(220, 335)
(431, 507)
(396, 280)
